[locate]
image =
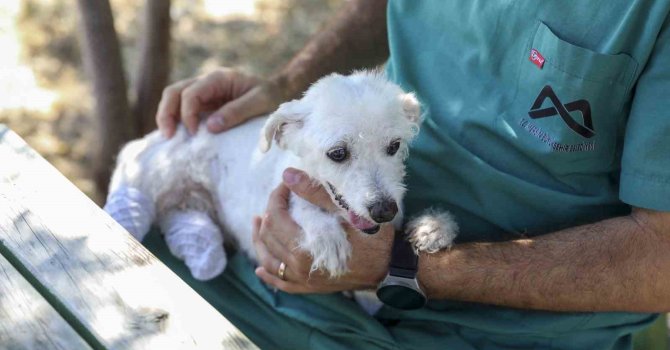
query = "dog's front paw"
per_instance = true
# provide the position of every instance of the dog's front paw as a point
(329, 248)
(432, 231)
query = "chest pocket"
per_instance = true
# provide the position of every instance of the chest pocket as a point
(567, 113)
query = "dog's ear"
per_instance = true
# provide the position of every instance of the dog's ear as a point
(287, 118)
(411, 107)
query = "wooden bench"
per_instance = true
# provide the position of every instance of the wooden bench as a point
(72, 278)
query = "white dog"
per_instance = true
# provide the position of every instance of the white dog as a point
(350, 134)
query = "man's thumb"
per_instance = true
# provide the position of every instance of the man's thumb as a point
(300, 183)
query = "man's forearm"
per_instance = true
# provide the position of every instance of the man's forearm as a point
(356, 38)
(620, 264)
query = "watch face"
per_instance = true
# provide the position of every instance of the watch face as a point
(401, 297)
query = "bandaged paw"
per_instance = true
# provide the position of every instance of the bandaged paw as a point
(131, 209)
(193, 237)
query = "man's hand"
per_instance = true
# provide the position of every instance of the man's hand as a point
(276, 235)
(231, 97)
(355, 38)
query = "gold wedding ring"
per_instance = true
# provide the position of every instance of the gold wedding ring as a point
(281, 271)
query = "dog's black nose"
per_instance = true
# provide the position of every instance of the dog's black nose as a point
(383, 211)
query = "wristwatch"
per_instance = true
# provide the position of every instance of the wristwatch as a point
(400, 288)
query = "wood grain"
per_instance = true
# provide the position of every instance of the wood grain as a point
(118, 291)
(27, 321)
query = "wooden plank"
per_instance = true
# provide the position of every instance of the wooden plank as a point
(113, 286)
(27, 321)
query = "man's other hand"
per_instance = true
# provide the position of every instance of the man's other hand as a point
(228, 96)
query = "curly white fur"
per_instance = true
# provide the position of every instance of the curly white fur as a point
(432, 231)
(211, 181)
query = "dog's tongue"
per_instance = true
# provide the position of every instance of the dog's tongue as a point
(360, 222)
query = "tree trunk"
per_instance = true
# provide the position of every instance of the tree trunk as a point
(102, 57)
(154, 68)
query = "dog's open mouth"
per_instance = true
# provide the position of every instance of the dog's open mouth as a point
(356, 220)
(362, 223)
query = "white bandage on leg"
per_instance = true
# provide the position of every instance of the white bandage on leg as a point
(132, 210)
(193, 237)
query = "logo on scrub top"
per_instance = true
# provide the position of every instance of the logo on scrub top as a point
(586, 129)
(537, 58)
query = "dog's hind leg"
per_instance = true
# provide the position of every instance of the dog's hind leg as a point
(127, 203)
(131, 209)
(193, 237)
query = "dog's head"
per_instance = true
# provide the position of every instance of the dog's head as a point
(351, 135)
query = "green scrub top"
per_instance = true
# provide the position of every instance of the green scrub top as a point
(538, 115)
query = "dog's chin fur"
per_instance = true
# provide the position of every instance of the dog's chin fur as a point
(233, 177)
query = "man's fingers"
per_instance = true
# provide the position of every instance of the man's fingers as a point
(195, 97)
(271, 279)
(167, 114)
(269, 262)
(278, 248)
(278, 201)
(279, 230)
(241, 96)
(298, 182)
(256, 227)
(239, 110)
(298, 261)
(265, 257)
(271, 253)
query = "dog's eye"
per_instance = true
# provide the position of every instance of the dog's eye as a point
(339, 154)
(393, 147)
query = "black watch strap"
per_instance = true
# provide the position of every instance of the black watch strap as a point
(400, 289)
(404, 261)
